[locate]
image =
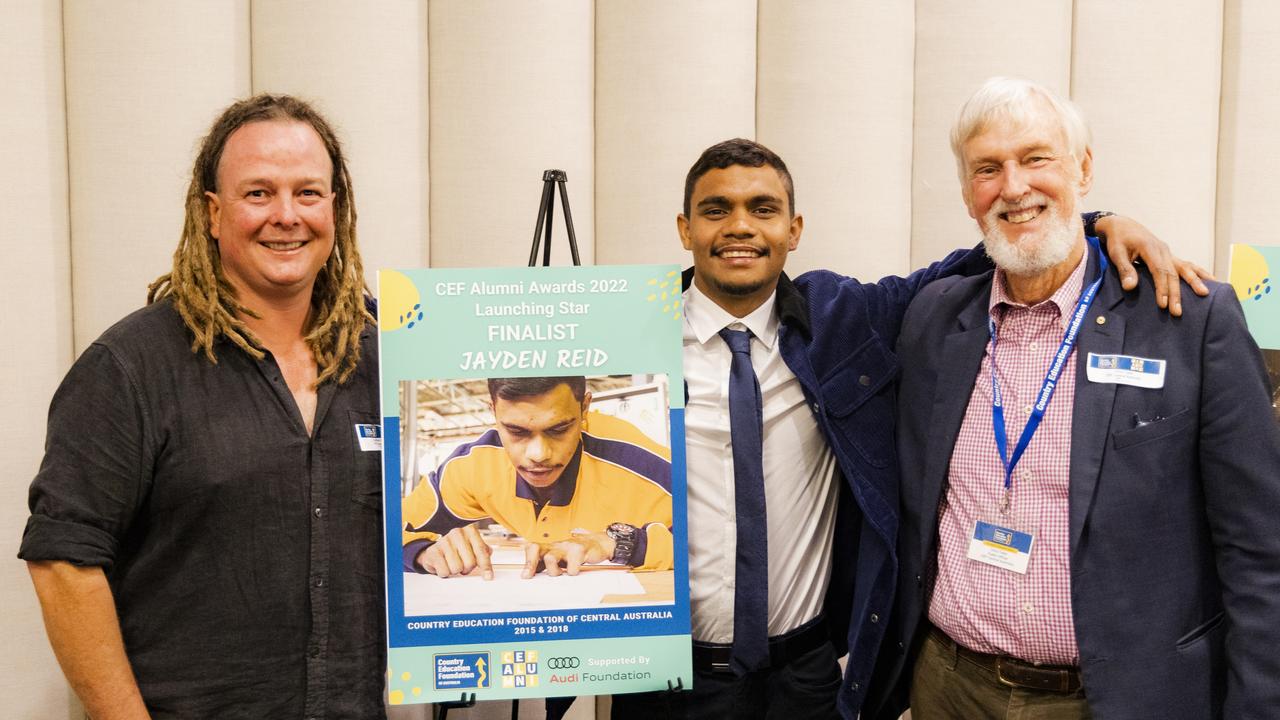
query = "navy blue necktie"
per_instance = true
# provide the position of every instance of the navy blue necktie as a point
(751, 575)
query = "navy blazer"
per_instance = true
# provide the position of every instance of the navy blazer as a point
(1175, 552)
(837, 335)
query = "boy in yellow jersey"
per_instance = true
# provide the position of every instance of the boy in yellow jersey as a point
(578, 487)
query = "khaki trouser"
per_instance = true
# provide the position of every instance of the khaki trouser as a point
(945, 686)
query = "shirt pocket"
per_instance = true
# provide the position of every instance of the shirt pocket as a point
(858, 397)
(366, 465)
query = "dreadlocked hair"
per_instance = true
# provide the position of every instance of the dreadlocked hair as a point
(207, 301)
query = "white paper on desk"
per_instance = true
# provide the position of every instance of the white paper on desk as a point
(515, 556)
(508, 592)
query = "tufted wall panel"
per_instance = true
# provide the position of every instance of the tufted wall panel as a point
(664, 91)
(365, 66)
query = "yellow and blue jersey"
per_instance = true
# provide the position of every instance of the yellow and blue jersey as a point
(617, 474)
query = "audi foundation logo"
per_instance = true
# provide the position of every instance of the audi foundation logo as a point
(562, 663)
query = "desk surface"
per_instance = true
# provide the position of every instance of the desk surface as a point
(426, 595)
(659, 587)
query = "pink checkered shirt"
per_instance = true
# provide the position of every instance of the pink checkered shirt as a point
(985, 608)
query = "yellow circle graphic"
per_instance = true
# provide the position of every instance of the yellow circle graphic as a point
(1250, 274)
(399, 305)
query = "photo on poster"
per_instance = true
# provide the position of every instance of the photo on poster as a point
(548, 468)
(533, 418)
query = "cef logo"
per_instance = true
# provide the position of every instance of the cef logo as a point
(562, 663)
(520, 668)
(462, 670)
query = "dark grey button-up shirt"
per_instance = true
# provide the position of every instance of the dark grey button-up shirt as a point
(244, 555)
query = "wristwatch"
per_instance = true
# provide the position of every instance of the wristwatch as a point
(624, 541)
(1091, 220)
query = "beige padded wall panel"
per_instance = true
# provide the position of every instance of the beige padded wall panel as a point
(835, 102)
(672, 78)
(1248, 141)
(365, 67)
(511, 96)
(36, 349)
(144, 81)
(1147, 74)
(958, 46)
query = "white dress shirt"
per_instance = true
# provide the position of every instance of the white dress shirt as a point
(799, 474)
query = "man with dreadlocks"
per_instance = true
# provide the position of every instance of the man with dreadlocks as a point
(204, 531)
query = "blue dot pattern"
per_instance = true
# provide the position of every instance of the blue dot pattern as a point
(1262, 288)
(414, 315)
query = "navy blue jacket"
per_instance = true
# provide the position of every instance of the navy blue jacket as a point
(1175, 559)
(837, 335)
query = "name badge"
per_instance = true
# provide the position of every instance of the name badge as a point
(1002, 547)
(369, 437)
(1125, 370)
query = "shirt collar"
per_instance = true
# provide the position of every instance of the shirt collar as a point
(704, 319)
(562, 490)
(1063, 299)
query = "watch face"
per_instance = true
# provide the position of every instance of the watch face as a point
(624, 540)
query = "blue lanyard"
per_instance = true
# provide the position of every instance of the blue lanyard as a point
(1050, 378)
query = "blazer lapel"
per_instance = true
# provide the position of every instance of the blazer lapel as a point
(963, 350)
(1103, 333)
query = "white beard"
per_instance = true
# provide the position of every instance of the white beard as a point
(1036, 253)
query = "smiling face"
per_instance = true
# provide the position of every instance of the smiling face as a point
(272, 214)
(1022, 185)
(541, 433)
(739, 229)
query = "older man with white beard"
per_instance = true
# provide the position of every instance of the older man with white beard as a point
(1087, 483)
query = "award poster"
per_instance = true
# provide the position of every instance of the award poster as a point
(533, 416)
(1252, 275)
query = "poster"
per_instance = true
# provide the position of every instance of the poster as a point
(533, 417)
(1252, 274)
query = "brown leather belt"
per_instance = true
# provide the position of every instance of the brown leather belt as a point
(714, 658)
(1014, 672)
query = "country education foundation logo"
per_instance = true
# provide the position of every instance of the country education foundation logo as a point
(460, 671)
(520, 668)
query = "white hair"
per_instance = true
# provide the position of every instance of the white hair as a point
(1019, 101)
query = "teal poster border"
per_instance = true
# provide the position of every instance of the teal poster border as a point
(527, 322)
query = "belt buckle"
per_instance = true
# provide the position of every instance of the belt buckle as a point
(1063, 678)
(1000, 674)
(720, 667)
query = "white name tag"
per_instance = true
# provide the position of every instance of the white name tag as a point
(1001, 546)
(369, 437)
(1125, 370)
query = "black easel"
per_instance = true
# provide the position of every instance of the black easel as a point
(546, 211)
(441, 710)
